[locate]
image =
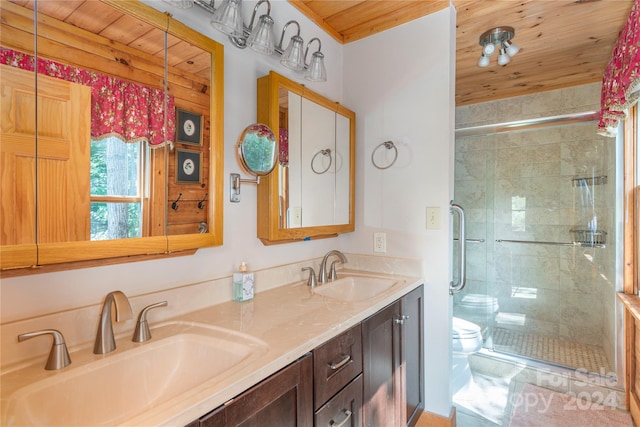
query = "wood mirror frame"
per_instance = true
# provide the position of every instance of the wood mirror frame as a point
(19, 259)
(271, 229)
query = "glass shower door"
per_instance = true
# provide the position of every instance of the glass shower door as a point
(543, 199)
(473, 191)
(553, 264)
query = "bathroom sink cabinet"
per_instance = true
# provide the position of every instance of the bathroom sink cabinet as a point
(370, 375)
(392, 363)
(283, 399)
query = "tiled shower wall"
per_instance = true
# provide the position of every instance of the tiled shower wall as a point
(520, 186)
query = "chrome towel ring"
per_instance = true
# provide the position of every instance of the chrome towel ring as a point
(326, 152)
(389, 145)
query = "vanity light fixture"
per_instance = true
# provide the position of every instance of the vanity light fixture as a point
(316, 72)
(292, 57)
(261, 39)
(499, 39)
(227, 18)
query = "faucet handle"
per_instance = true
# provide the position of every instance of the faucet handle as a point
(142, 332)
(59, 355)
(312, 277)
(332, 274)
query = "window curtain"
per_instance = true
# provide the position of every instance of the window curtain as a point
(130, 111)
(621, 80)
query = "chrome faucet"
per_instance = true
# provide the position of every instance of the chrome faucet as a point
(323, 266)
(105, 341)
(59, 355)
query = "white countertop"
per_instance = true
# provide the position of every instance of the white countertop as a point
(291, 320)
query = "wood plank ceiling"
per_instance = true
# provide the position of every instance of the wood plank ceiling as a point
(563, 42)
(101, 19)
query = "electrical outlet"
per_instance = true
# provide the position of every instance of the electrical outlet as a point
(433, 218)
(379, 242)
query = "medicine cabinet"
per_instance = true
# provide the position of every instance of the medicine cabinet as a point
(311, 192)
(82, 182)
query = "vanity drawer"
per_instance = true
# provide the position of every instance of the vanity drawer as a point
(336, 363)
(344, 409)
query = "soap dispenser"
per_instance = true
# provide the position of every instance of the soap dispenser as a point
(242, 283)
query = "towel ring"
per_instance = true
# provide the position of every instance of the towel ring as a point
(325, 152)
(388, 145)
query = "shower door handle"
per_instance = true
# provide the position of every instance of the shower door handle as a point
(462, 250)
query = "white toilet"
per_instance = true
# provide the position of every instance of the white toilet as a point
(480, 309)
(467, 339)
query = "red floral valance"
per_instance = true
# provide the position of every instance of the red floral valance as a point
(131, 111)
(621, 81)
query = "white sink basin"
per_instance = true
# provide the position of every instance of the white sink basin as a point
(355, 288)
(120, 386)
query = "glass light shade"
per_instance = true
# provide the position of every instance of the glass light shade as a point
(293, 56)
(483, 61)
(503, 58)
(228, 18)
(512, 48)
(180, 4)
(488, 49)
(261, 38)
(316, 71)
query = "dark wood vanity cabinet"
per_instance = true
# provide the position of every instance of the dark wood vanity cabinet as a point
(370, 375)
(284, 399)
(392, 363)
(412, 354)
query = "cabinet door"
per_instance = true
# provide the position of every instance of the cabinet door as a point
(411, 353)
(284, 399)
(381, 363)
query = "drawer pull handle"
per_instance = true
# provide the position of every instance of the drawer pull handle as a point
(347, 417)
(345, 359)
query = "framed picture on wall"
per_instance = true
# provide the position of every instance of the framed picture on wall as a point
(189, 127)
(188, 166)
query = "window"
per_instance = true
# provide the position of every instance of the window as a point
(117, 188)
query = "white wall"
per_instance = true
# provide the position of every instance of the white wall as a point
(402, 90)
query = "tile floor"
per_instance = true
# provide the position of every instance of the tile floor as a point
(560, 352)
(486, 402)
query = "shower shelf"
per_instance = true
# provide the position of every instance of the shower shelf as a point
(594, 180)
(589, 238)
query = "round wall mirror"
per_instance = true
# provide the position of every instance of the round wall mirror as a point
(258, 149)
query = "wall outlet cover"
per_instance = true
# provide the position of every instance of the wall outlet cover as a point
(379, 242)
(433, 218)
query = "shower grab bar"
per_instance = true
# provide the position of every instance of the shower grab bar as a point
(462, 250)
(533, 242)
(470, 240)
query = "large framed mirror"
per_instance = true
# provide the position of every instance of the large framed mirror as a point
(118, 151)
(311, 192)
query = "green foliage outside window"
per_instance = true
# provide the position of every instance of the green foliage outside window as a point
(115, 172)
